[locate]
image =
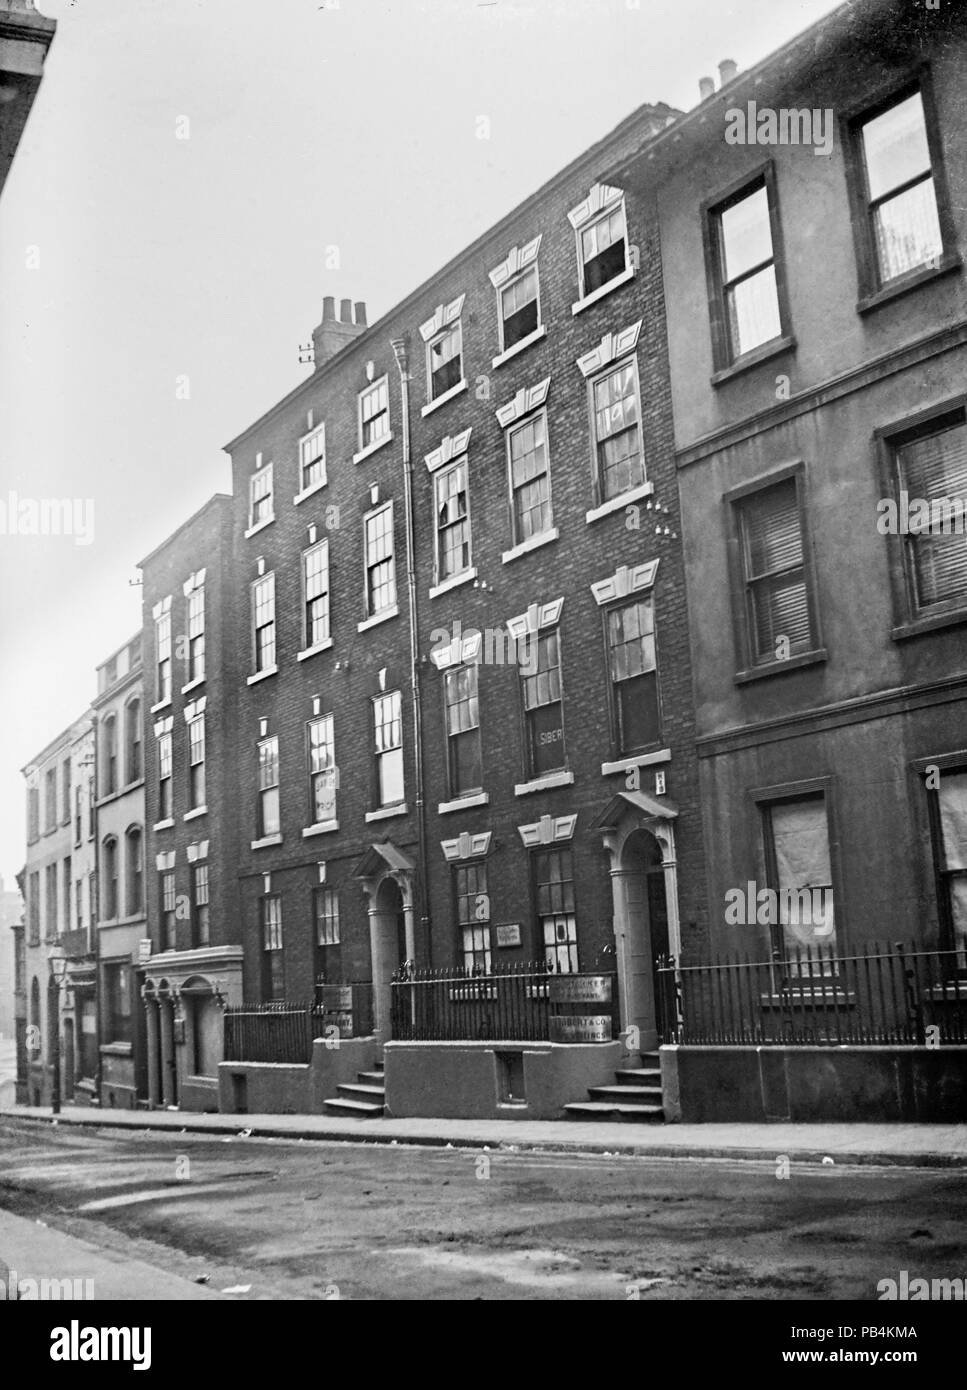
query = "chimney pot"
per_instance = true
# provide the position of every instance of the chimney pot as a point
(360, 313)
(328, 308)
(706, 86)
(727, 70)
(346, 310)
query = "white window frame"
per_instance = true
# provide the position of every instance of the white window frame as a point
(390, 609)
(257, 670)
(331, 769)
(260, 473)
(602, 201)
(370, 389)
(438, 576)
(380, 754)
(308, 644)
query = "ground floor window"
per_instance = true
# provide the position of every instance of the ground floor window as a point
(950, 853)
(473, 915)
(117, 1003)
(796, 833)
(553, 875)
(273, 964)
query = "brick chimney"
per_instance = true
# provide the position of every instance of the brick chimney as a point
(333, 333)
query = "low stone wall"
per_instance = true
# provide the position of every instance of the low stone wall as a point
(199, 1094)
(281, 1088)
(469, 1081)
(807, 1085)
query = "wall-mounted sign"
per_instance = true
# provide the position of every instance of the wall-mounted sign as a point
(508, 934)
(574, 1028)
(335, 997)
(580, 989)
(144, 950)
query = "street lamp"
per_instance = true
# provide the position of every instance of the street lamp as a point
(58, 970)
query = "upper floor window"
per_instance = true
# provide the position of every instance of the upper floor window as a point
(900, 188)
(463, 729)
(373, 414)
(169, 900)
(473, 914)
(200, 906)
(269, 822)
(746, 293)
(134, 870)
(33, 812)
(388, 731)
(779, 611)
(78, 815)
(260, 504)
(33, 909)
(543, 705)
(312, 458)
(50, 901)
(634, 677)
(519, 309)
(65, 783)
(315, 584)
(323, 774)
(109, 764)
(380, 560)
(263, 622)
(50, 798)
(530, 478)
(196, 634)
(445, 360)
(618, 444)
(931, 481)
(604, 256)
(196, 763)
(162, 640)
(109, 878)
(132, 743)
(164, 775)
(452, 520)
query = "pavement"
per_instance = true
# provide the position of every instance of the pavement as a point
(907, 1145)
(33, 1250)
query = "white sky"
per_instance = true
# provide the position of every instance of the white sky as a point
(310, 126)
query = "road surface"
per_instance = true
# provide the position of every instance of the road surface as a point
(280, 1219)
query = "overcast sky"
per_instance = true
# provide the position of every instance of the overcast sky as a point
(131, 258)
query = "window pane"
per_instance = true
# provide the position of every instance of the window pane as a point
(952, 799)
(773, 534)
(907, 230)
(746, 234)
(934, 470)
(895, 146)
(800, 841)
(753, 310)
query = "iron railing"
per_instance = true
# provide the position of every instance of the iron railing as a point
(523, 1001)
(809, 997)
(284, 1031)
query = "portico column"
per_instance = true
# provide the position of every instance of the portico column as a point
(167, 1052)
(151, 1025)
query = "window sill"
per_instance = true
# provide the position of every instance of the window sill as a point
(617, 504)
(533, 543)
(755, 358)
(543, 784)
(510, 352)
(259, 526)
(193, 685)
(948, 262)
(308, 492)
(387, 812)
(313, 651)
(193, 815)
(916, 627)
(378, 618)
(777, 668)
(162, 704)
(372, 448)
(450, 395)
(323, 827)
(462, 803)
(262, 675)
(163, 824)
(454, 582)
(115, 1049)
(265, 841)
(627, 274)
(663, 755)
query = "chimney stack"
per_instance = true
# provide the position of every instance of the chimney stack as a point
(727, 70)
(706, 87)
(332, 334)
